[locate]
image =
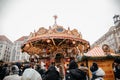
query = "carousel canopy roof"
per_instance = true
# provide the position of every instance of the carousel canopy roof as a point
(54, 37)
(55, 33)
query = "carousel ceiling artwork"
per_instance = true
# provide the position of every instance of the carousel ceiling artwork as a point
(55, 39)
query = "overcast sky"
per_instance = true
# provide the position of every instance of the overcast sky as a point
(92, 18)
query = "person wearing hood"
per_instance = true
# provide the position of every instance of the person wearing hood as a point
(4, 71)
(30, 74)
(73, 73)
(52, 74)
(117, 68)
(15, 72)
(97, 72)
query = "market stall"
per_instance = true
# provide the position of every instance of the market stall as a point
(105, 61)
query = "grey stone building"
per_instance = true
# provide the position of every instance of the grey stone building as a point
(112, 37)
(17, 55)
(5, 48)
(10, 52)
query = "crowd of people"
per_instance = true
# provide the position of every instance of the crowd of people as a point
(32, 71)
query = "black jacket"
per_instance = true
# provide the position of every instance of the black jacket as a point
(73, 73)
(51, 74)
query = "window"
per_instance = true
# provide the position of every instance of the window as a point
(119, 39)
(1, 46)
(18, 52)
(117, 33)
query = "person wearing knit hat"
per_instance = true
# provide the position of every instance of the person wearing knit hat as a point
(52, 74)
(97, 72)
(94, 67)
(73, 65)
(73, 73)
(15, 72)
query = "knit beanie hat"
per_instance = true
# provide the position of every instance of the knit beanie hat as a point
(73, 65)
(94, 67)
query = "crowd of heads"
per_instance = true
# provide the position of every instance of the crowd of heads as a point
(56, 71)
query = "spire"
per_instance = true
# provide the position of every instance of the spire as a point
(55, 17)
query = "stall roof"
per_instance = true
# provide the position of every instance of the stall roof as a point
(95, 52)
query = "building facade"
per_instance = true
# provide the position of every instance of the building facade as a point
(17, 55)
(112, 37)
(5, 48)
(10, 52)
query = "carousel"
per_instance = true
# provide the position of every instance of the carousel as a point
(55, 44)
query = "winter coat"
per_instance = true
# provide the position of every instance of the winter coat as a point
(98, 74)
(73, 73)
(12, 77)
(52, 74)
(15, 72)
(3, 72)
(31, 74)
(117, 72)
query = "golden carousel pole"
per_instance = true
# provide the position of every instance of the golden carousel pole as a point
(61, 64)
